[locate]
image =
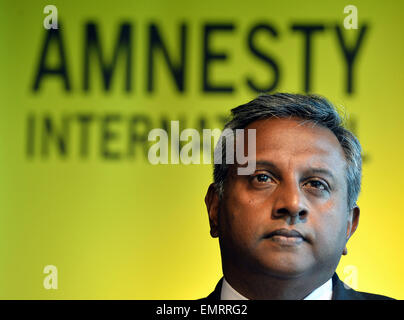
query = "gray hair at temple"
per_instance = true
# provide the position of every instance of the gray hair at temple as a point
(313, 108)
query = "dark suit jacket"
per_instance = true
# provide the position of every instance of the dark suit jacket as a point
(339, 292)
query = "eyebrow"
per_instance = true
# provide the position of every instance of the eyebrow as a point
(267, 164)
(309, 170)
(321, 171)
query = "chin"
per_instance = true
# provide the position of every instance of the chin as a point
(286, 273)
(285, 268)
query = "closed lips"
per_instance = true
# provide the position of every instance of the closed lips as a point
(289, 233)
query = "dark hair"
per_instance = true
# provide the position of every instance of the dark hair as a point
(313, 108)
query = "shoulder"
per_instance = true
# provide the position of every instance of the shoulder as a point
(341, 291)
(215, 294)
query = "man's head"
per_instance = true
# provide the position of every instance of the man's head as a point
(294, 215)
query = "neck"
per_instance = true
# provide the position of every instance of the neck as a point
(265, 286)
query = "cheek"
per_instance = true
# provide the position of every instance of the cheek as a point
(330, 227)
(243, 218)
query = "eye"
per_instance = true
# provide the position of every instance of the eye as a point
(261, 179)
(316, 184)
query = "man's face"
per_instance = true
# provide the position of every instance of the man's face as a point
(290, 217)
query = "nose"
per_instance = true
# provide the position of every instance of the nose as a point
(289, 203)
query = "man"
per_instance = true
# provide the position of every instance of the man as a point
(283, 228)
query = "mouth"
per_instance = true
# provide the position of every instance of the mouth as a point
(286, 237)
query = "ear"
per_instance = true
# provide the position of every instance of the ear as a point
(212, 205)
(353, 221)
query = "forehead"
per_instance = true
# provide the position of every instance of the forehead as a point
(299, 143)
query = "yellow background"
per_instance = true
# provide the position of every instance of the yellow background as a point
(124, 229)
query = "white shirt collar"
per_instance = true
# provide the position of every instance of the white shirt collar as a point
(323, 292)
